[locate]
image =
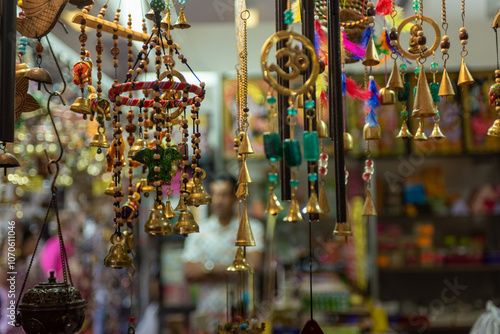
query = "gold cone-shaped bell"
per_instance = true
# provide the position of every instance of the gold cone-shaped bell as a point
(423, 105)
(168, 211)
(246, 145)
(369, 207)
(99, 140)
(181, 21)
(323, 201)
(371, 55)
(322, 129)
(348, 142)
(494, 130)
(117, 256)
(181, 206)
(8, 160)
(464, 76)
(139, 144)
(166, 23)
(371, 132)
(395, 82)
(313, 205)
(242, 190)
(420, 134)
(273, 204)
(404, 133)
(239, 262)
(198, 196)
(343, 229)
(157, 223)
(40, 75)
(436, 132)
(244, 237)
(110, 190)
(186, 224)
(446, 87)
(244, 173)
(146, 188)
(150, 15)
(294, 212)
(81, 106)
(387, 96)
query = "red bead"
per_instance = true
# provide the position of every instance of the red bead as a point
(131, 320)
(323, 156)
(369, 163)
(366, 176)
(238, 318)
(322, 170)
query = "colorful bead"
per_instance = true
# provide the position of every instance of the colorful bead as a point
(243, 326)
(322, 171)
(293, 156)
(369, 163)
(402, 67)
(434, 64)
(272, 146)
(271, 99)
(294, 183)
(417, 70)
(291, 111)
(367, 176)
(272, 177)
(404, 94)
(309, 104)
(311, 146)
(435, 91)
(312, 177)
(323, 156)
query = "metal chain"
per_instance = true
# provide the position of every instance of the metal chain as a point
(463, 12)
(245, 15)
(444, 23)
(64, 255)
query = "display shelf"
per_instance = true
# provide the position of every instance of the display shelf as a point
(440, 269)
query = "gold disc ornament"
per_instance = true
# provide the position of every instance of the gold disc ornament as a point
(298, 62)
(429, 51)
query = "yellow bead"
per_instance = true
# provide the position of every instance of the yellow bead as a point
(20, 3)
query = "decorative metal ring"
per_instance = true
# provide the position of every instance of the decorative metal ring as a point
(306, 43)
(431, 49)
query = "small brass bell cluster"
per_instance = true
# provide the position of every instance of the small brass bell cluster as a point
(158, 224)
(166, 23)
(117, 256)
(197, 193)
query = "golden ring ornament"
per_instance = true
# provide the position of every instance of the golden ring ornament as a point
(297, 62)
(429, 51)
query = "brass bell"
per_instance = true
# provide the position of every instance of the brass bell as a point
(312, 204)
(446, 87)
(494, 130)
(81, 106)
(190, 186)
(294, 212)
(246, 145)
(8, 160)
(100, 140)
(168, 210)
(110, 190)
(273, 204)
(369, 207)
(117, 256)
(242, 190)
(166, 23)
(157, 223)
(423, 105)
(21, 70)
(371, 55)
(322, 129)
(198, 196)
(129, 240)
(323, 200)
(244, 173)
(244, 237)
(387, 96)
(181, 206)
(181, 21)
(343, 229)
(464, 76)
(395, 82)
(420, 134)
(186, 224)
(150, 15)
(348, 142)
(239, 262)
(371, 132)
(404, 133)
(436, 132)
(146, 188)
(139, 144)
(39, 75)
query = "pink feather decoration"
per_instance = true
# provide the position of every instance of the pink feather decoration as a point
(354, 90)
(354, 50)
(383, 7)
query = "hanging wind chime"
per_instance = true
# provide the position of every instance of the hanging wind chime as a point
(494, 92)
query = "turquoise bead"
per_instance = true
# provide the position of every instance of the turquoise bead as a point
(417, 70)
(294, 183)
(271, 99)
(402, 67)
(312, 177)
(404, 113)
(291, 111)
(434, 65)
(435, 92)
(243, 326)
(272, 146)
(272, 159)
(309, 104)
(272, 177)
(293, 156)
(311, 146)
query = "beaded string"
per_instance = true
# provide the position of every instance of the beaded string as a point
(130, 127)
(463, 35)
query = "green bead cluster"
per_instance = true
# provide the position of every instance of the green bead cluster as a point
(416, 5)
(309, 104)
(312, 177)
(273, 177)
(291, 111)
(294, 183)
(288, 14)
(402, 67)
(404, 113)
(434, 65)
(417, 70)
(435, 91)
(271, 99)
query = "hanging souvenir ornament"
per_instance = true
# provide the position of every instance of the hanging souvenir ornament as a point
(181, 22)
(434, 87)
(395, 83)
(464, 76)
(494, 93)
(39, 74)
(403, 97)
(300, 60)
(446, 87)
(82, 73)
(24, 102)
